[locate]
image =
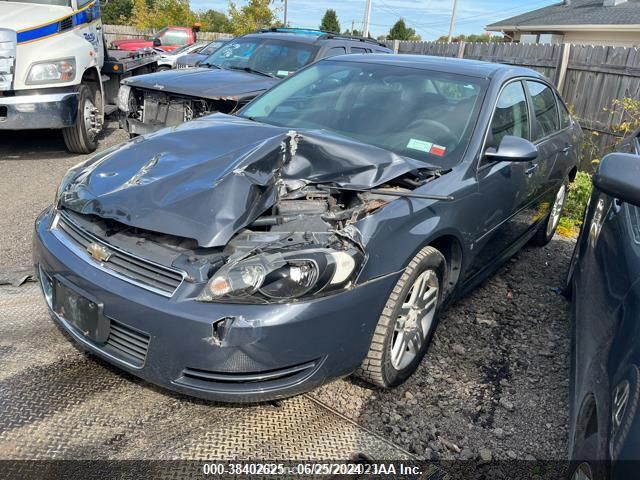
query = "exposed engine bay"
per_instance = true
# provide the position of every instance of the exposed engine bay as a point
(265, 215)
(156, 109)
(305, 217)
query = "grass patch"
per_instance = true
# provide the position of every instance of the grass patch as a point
(573, 214)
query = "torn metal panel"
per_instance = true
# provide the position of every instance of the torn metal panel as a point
(212, 177)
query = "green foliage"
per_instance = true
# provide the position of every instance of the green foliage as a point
(158, 14)
(400, 31)
(118, 12)
(473, 38)
(253, 16)
(330, 21)
(355, 32)
(214, 21)
(575, 205)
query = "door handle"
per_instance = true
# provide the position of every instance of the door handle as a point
(566, 149)
(529, 171)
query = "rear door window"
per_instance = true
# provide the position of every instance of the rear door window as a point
(335, 51)
(545, 110)
(565, 116)
(359, 50)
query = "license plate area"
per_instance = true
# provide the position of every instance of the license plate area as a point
(78, 310)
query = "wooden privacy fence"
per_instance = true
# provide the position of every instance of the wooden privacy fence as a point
(589, 78)
(119, 32)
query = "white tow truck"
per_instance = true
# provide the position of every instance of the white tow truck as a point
(55, 71)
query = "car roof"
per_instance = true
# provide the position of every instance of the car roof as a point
(314, 37)
(456, 66)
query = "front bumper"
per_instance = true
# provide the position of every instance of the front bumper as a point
(136, 127)
(48, 110)
(268, 352)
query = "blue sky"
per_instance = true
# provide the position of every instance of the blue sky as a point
(430, 18)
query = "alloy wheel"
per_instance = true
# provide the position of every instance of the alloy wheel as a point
(415, 319)
(556, 210)
(583, 472)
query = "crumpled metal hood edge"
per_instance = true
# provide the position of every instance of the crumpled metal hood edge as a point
(209, 178)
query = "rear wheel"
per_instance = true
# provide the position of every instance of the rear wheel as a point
(586, 465)
(548, 227)
(83, 136)
(407, 323)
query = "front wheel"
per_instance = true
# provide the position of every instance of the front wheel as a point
(548, 227)
(83, 136)
(407, 323)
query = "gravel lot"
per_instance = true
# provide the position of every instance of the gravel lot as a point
(494, 383)
(32, 164)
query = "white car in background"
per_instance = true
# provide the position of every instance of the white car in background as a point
(168, 60)
(192, 59)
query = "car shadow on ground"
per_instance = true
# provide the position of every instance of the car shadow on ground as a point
(38, 144)
(495, 379)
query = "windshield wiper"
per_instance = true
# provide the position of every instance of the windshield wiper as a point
(253, 70)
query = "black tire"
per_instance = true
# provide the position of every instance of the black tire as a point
(377, 368)
(586, 458)
(545, 233)
(163, 68)
(77, 138)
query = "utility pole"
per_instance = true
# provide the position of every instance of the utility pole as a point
(453, 19)
(367, 19)
(285, 14)
(353, 26)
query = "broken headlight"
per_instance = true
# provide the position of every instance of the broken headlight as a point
(273, 277)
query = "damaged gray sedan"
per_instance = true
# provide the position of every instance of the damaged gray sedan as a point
(317, 233)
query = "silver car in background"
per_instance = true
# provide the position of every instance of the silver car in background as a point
(192, 59)
(167, 60)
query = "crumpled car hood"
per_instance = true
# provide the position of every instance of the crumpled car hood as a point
(209, 178)
(208, 83)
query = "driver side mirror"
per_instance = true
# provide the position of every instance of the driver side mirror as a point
(512, 149)
(617, 176)
(157, 42)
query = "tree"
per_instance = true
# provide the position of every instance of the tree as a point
(214, 21)
(118, 12)
(475, 38)
(330, 21)
(162, 13)
(400, 31)
(355, 33)
(256, 14)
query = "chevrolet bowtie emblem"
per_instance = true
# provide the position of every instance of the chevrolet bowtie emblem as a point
(98, 252)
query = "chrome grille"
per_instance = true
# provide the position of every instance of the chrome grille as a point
(142, 272)
(211, 380)
(131, 344)
(8, 41)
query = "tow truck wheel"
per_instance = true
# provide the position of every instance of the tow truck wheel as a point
(83, 136)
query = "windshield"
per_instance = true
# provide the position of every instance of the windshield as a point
(212, 47)
(182, 49)
(278, 58)
(420, 114)
(59, 3)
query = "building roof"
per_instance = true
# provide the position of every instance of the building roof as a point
(580, 12)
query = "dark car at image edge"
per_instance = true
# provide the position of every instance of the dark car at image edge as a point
(604, 285)
(229, 78)
(252, 257)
